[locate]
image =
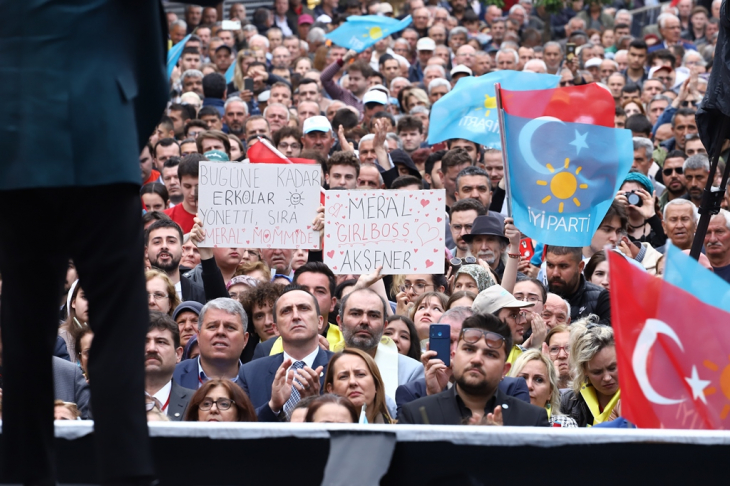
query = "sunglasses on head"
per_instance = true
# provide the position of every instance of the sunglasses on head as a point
(472, 336)
(668, 171)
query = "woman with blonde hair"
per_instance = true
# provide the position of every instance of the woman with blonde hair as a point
(354, 375)
(542, 384)
(244, 58)
(595, 394)
(161, 294)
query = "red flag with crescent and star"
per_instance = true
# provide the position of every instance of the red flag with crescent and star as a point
(673, 352)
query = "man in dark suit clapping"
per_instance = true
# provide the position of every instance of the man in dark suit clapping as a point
(479, 364)
(276, 383)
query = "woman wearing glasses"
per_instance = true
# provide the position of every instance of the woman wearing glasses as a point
(414, 286)
(557, 347)
(161, 294)
(595, 395)
(220, 401)
(542, 383)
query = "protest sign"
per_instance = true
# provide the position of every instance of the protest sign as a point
(401, 230)
(259, 205)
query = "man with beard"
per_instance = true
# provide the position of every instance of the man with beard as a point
(235, 113)
(487, 241)
(362, 321)
(696, 172)
(163, 241)
(478, 364)
(673, 172)
(162, 352)
(564, 267)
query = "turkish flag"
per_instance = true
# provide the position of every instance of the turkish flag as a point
(589, 104)
(672, 351)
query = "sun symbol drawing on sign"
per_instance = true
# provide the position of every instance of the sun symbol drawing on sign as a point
(724, 385)
(295, 199)
(374, 33)
(563, 185)
(490, 103)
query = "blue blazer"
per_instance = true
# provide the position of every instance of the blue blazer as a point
(186, 374)
(514, 387)
(257, 376)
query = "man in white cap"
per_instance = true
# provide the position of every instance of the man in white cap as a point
(317, 135)
(459, 72)
(374, 101)
(497, 301)
(425, 47)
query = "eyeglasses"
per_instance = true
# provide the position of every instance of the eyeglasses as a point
(569, 82)
(473, 335)
(527, 298)
(221, 403)
(157, 296)
(555, 351)
(668, 171)
(417, 287)
(456, 261)
(515, 316)
(687, 103)
(293, 146)
(252, 253)
(459, 227)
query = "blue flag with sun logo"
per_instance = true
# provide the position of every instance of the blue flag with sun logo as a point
(565, 161)
(362, 31)
(469, 110)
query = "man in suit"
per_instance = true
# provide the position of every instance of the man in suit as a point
(362, 321)
(162, 353)
(163, 247)
(70, 385)
(439, 376)
(479, 364)
(82, 138)
(275, 384)
(222, 335)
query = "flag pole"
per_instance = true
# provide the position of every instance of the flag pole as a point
(500, 116)
(711, 200)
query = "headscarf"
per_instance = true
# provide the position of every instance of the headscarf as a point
(242, 279)
(483, 279)
(641, 179)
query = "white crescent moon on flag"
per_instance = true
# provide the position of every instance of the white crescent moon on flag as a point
(647, 338)
(525, 141)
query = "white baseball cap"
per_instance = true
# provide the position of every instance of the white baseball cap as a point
(317, 124)
(594, 62)
(375, 96)
(461, 69)
(425, 44)
(385, 7)
(264, 96)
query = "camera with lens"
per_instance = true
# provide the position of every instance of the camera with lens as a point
(634, 198)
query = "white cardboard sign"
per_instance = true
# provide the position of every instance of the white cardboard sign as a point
(259, 205)
(401, 230)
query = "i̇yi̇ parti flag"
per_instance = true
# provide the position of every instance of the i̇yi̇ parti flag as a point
(469, 110)
(174, 54)
(362, 31)
(231, 71)
(671, 345)
(565, 161)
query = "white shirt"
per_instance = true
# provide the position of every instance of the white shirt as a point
(308, 360)
(283, 25)
(163, 395)
(178, 290)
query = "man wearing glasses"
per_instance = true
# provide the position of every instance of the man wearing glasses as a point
(479, 363)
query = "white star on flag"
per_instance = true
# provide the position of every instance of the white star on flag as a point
(579, 142)
(698, 386)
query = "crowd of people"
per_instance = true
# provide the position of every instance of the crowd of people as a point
(272, 334)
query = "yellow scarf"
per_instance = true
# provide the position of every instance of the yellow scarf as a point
(334, 337)
(514, 354)
(589, 395)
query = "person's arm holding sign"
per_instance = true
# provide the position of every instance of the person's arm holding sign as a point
(213, 283)
(513, 255)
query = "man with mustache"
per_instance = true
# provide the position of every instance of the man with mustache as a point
(479, 364)
(717, 244)
(163, 240)
(362, 321)
(161, 353)
(222, 335)
(564, 267)
(487, 241)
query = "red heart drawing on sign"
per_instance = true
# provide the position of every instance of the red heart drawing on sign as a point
(428, 263)
(330, 254)
(427, 233)
(344, 217)
(414, 269)
(342, 253)
(328, 236)
(439, 199)
(431, 193)
(308, 227)
(337, 195)
(416, 221)
(435, 250)
(410, 195)
(248, 241)
(416, 250)
(438, 220)
(334, 268)
(425, 202)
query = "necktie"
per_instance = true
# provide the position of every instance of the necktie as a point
(295, 397)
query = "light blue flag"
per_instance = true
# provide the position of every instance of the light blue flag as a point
(686, 273)
(230, 71)
(469, 110)
(362, 31)
(174, 54)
